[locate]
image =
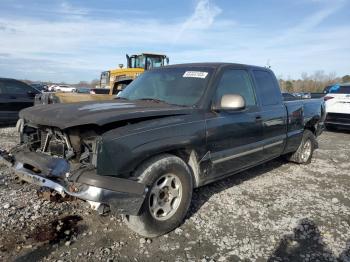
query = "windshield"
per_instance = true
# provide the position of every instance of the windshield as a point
(38, 87)
(178, 86)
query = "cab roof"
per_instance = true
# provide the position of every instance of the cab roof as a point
(216, 65)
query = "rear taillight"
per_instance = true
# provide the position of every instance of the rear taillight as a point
(326, 98)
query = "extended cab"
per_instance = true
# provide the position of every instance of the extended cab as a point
(171, 130)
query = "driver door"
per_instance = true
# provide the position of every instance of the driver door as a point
(234, 138)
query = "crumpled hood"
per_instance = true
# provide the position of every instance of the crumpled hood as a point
(99, 113)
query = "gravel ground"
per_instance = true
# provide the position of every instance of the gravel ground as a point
(275, 212)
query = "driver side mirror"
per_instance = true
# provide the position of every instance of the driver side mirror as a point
(231, 102)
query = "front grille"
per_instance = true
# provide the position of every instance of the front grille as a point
(338, 117)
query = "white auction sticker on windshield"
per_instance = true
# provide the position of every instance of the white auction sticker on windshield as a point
(195, 74)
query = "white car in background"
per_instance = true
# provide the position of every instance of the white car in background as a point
(65, 88)
(338, 106)
(51, 88)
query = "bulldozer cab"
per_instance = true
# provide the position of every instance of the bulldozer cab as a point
(146, 61)
(117, 79)
(105, 79)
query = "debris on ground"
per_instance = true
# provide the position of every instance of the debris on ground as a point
(278, 211)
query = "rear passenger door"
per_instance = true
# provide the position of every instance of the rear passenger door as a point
(234, 137)
(273, 112)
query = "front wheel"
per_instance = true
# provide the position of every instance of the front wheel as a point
(304, 153)
(168, 198)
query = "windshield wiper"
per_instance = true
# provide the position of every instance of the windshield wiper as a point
(121, 98)
(152, 99)
(157, 101)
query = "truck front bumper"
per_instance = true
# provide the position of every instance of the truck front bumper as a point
(122, 196)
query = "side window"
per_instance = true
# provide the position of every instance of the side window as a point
(2, 88)
(236, 81)
(270, 93)
(16, 87)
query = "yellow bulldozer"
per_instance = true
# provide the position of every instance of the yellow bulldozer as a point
(114, 79)
(117, 79)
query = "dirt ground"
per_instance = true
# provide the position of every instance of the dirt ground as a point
(278, 211)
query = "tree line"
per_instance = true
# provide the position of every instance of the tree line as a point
(313, 83)
(92, 84)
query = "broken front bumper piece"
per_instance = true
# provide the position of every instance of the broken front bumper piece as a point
(122, 196)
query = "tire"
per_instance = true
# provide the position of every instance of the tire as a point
(166, 176)
(305, 151)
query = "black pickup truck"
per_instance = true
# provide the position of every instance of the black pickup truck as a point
(171, 130)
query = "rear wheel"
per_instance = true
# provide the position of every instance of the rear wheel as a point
(169, 196)
(305, 151)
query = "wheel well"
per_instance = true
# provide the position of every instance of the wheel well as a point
(189, 156)
(311, 128)
(311, 125)
(183, 153)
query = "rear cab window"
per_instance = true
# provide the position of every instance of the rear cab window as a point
(267, 87)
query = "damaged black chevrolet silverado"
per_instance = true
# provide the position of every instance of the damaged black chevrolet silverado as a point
(171, 130)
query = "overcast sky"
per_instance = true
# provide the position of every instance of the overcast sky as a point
(61, 40)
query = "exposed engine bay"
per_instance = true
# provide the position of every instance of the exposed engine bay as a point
(72, 145)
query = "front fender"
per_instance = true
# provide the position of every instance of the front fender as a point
(121, 155)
